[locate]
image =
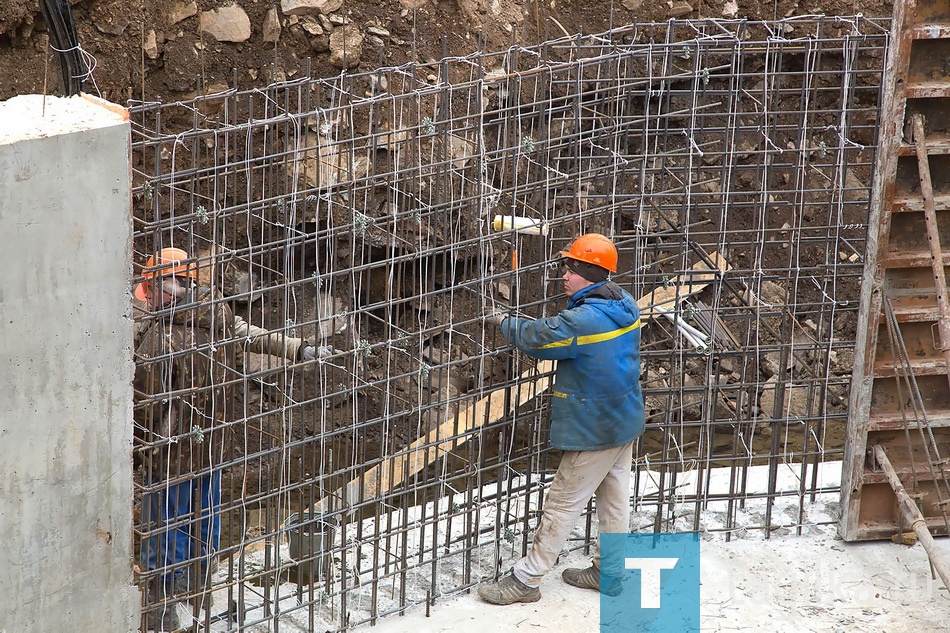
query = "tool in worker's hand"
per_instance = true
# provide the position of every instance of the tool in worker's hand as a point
(521, 225)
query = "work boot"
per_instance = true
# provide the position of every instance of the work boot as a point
(509, 590)
(196, 590)
(163, 608)
(590, 579)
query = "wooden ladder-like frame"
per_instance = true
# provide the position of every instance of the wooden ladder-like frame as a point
(898, 437)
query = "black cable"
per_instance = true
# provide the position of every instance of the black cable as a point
(62, 35)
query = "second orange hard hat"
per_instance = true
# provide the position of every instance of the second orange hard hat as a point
(168, 261)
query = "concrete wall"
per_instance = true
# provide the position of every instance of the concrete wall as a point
(65, 368)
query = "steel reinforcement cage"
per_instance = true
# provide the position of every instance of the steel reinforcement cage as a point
(406, 457)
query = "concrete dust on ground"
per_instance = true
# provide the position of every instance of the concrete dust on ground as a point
(791, 584)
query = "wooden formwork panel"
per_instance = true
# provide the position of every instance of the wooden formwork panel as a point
(900, 398)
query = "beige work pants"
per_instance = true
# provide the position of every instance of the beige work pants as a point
(579, 476)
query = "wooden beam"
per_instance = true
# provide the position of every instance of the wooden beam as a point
(689, 283)
(933, 237)
(440, 441)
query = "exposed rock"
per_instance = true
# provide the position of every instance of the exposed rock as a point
(690, 399)
(769, 364)
(332, 316)
(413, 4)
(325, 23)
(631, 5)
(770, 294)
(270, 29)
(730, 9)
(680, 9)
(378, 31)
(337, 19)
(181, 10)
(346, 46)
(111, 25)
(659, 402)
(309, 7)
(227, 24)
(26, 30)
(795, 402)
(728, 365)
(855, 189)
(311, 25)
(150, 47)
(379, 83)
(843, 362)
(460, 150)
(320, 43)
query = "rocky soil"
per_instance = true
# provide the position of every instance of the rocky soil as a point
(156, 49)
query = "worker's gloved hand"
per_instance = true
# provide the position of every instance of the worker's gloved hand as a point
(309, 352)
(494, 316)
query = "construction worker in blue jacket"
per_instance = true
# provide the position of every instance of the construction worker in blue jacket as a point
(596, 414)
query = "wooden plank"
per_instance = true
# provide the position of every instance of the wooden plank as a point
(891, 123)
(927, 90)
(881, 531)
(933, 237)
(912, 259)
(935, 31)
(910, 203)
(914, 314)
(894, 421)
(689, 283)
(932, 367)
(922, 477)
(440, 441)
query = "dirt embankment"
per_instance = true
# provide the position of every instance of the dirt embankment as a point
(156, 49)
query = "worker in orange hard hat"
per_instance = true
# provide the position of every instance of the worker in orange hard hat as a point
(164, 267)
(183, 401)
(181, 440)
(596, 415)
(169, 276)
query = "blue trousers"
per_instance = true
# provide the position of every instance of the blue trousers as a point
(188, 517)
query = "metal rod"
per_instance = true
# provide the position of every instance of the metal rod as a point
(912, 514)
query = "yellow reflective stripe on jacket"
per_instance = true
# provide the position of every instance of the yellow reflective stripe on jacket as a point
(593, 338)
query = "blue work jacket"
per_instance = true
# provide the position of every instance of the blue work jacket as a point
(597, 399)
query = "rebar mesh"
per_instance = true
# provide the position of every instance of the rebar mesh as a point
(356, 213)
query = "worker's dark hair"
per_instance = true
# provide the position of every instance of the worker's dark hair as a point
(590, 272)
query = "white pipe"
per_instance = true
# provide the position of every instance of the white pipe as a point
(695, 337)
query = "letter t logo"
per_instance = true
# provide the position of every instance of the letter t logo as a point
(650, 578)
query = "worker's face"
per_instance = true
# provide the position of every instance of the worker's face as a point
(164, 292)
(572, 281)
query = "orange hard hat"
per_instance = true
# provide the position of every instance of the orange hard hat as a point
(168, 261)
(594, 248)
